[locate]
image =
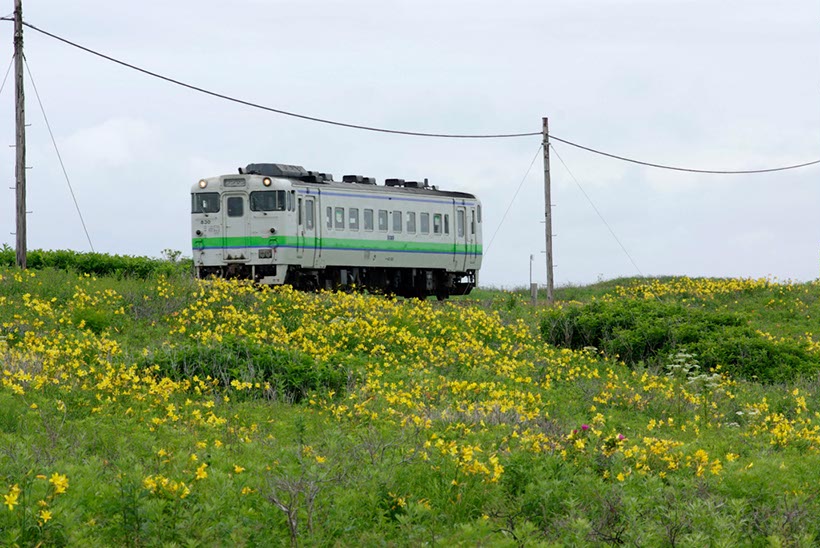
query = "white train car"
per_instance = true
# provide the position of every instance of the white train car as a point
(276, 224)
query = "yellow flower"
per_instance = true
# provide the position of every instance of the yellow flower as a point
(200, 472)
(45, 515)
(59, 482)
(10, 500)
(238, 469)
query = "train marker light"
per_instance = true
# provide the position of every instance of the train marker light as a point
(203, 183)
(266, 181)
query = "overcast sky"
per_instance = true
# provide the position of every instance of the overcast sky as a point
(712, 85)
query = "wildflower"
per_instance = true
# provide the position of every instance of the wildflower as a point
(59, 482)
(10, 499)
(200, 472)
(238, 469)
(45, 515)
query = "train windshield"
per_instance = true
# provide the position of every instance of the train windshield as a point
(268, 200)
(205, 202)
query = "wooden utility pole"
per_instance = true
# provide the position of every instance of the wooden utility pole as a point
(20, 168)
(548, 209)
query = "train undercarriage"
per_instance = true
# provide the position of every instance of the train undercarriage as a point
(403, 282)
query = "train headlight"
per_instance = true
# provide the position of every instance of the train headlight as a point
(266, 181)
(203, 183)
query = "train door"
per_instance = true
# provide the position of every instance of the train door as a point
(461, 247)
(235, 229)
(300, 229)
(472, 238)
(309, 230)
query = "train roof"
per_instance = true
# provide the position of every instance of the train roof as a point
(359, 182)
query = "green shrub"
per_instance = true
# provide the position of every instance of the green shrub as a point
(290, 374)
(99, 264)
(649, 331)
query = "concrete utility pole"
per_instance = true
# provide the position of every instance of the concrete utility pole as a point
(20, 168)
(548, 209)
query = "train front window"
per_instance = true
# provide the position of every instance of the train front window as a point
(205, 202)
(236, 206)
(268, 200)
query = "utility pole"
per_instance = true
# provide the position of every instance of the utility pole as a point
(548, 208)
(20, 168)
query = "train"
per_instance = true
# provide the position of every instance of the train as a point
(282, 224)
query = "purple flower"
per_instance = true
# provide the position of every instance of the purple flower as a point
(584, 427)
(621, 437)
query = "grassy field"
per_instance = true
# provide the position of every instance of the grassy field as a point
(164, 411)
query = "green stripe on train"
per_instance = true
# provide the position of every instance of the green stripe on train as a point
(333, 243)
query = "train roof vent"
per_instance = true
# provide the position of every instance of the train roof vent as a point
(316, 177)
(394, 182)
(275, 170)
(360, 179)
(412, 184)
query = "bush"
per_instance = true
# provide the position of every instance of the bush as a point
(99, 264)
(290, 374)
(648, 331)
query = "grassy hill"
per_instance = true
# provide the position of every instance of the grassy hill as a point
(163, 411)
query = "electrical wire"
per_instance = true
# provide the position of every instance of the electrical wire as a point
(596, 211)
(686, 169)
(280, 111)
(3, 85)
(417, 133)
(57, 150)
(515, 195)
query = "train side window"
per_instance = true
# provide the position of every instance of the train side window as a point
(397, 221)
(236, 206)
(411, 222)
(368, 219)
(383, 220)
(329, 215)
(309, 214)
(472, 222)
(479, 213)
(460, 223)
(353, 218)
(290, 201)
(205, 202)
(424, 222)
(299, 214)
(340, 218)
(437, 223)
(446, 223)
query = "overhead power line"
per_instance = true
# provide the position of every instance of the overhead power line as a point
(512, 200)
(686, 169)
(3, 85)
(276, 110)
(59, 156)
(415, 133)
(584, 192)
